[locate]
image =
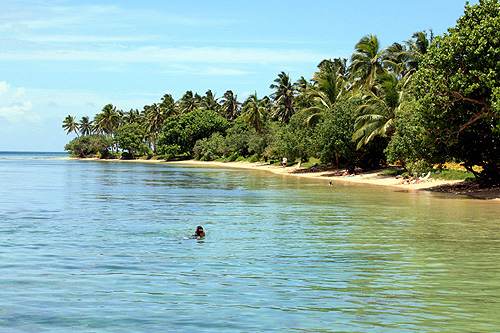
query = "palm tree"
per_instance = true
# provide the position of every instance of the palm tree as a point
(230, 105)
(168, 105)
(378, 112)
(330, 85)
(283, 96)
(85, 126)
(303, 100)
(155, 118)
(131, 117)
(366, 63)
(254, 112)
(70, 125)
(107, 121)
(417, 47)
(189, 102)
(403, 59)
(209, 101)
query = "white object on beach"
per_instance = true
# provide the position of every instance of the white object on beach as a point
(426, 176)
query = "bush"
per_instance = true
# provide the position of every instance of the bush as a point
(233, 157)
(419, 167)
(184, 130)
(254, 158)
(89, 145)
(131, 138)
(209, 149)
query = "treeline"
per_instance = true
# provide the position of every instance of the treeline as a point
(422, 102)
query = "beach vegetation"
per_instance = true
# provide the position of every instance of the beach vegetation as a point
(415, 104)
(458, 94)
(130, 139)
(94, 145)
(183, 130)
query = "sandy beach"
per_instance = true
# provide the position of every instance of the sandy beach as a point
(370, 178)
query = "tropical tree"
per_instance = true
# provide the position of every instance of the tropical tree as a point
(131, 138)
(457, 87)
(330, 85)
(253, 112)
(230, 105)
(70, 125)
(417, 47)
(107, 121)
(85, 126)
(283, 96)
(188, 102)
(304, 87)
(89, 145)
(379, 110)
(168, 105)
(366, 63)
(155, 118)
(403, 59)
(181, 132)
(132, 116)
(209, 101)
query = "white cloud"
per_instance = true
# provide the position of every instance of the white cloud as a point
(8, 94)
(24, 18)
(156, 54)
(16, 112)
(14, 105)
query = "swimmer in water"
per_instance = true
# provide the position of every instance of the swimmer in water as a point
(199, 233)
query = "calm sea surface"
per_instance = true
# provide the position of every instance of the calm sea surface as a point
(102, 246)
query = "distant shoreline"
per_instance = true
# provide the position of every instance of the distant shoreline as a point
(368, 178)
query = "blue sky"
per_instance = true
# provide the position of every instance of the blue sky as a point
(73, 57)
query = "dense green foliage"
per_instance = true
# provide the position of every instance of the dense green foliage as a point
(131, 138)
(183, 130)
(458, 88)
(89, 145)
(418, 104)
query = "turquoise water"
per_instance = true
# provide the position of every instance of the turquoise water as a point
(102, 246)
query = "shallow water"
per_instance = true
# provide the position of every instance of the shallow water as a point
(102, 246)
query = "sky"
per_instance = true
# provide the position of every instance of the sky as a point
(60, 58)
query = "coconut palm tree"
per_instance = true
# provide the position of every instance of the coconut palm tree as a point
(108, 120)
(366, 63)
(254, 112)
(188, 102)
(209, 101)
(403, 59)
(283, 96)
(330, 85)
(230, 108)
(417, 47)
(155, 118)
(85, 126)
(132, 116)
(378, 111)
(70, 125)
(304, 87)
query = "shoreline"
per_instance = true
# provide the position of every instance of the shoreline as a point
(369, 178)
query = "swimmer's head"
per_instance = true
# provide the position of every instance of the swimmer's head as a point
(200, 231)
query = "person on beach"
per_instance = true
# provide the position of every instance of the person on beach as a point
(199, 233)
(284, 162)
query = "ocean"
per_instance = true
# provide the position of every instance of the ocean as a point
(105, 246)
